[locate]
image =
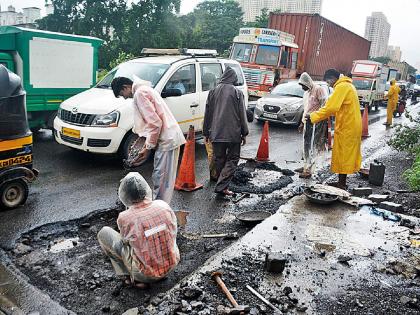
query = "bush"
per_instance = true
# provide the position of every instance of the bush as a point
(407, 138)
(412, 175)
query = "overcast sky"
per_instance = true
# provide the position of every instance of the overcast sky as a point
(403, 15)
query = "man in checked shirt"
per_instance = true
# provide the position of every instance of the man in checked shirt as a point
(145, 250)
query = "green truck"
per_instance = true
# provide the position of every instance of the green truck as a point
(53, 67)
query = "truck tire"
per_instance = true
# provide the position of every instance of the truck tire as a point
(126, 145)
(50, 121)
(13, 194)
(376, 106)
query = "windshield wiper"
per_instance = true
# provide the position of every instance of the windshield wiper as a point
(103, 86)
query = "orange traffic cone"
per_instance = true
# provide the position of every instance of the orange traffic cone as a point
(365, 123)
(262, 154)
(186, 175)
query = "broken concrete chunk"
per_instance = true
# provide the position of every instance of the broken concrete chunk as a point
(22, 249)
(378, 198)
(361, 191)
(131, 311)
(275, 262)
(390, 206)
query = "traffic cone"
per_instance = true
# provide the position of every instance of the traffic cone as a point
(186, 175)
(263, 151)
(365, 123)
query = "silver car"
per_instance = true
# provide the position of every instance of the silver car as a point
(284, 104)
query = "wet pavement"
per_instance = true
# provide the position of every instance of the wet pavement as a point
(73, 184)
(333, 253)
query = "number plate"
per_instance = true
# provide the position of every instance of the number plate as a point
(274, 116)
(24, 159)
(73, 133)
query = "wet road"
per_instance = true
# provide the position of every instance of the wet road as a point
(72, 184)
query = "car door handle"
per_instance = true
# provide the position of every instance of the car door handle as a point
(194, 105)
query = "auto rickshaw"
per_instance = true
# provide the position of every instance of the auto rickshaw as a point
(16, 169)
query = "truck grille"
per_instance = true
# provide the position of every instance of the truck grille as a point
(271, 109)
(257, 76)
(77, 119)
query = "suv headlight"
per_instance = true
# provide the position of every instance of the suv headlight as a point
(107, 120)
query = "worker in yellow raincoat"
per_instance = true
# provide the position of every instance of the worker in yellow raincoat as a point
(344, 105)
(392, 96)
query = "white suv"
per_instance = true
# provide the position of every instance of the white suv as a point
(96, 121)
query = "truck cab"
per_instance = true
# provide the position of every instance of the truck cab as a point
(369, 78)
(267, 56)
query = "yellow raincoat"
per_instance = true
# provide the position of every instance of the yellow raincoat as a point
(344, 105)
(393, 93)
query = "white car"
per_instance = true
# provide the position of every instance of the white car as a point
(96, 121)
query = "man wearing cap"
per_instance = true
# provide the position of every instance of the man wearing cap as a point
(145, 250)
(154, 121)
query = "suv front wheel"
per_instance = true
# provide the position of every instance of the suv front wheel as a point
(126, 145)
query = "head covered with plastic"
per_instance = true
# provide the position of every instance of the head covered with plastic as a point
(134, 189)
(306, 82)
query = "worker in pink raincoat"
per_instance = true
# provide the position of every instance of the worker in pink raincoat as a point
(154, 121)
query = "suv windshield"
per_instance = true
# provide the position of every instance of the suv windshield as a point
(146, 71)
(361, 84)
(288, 89)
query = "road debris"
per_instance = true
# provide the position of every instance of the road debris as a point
(391, 206)
(237, 309)
(263, 299)
(223, 235)
(275, 262)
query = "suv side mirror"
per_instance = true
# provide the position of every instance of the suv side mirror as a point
(171, 93)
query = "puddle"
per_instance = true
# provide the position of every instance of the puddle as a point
(63, 244)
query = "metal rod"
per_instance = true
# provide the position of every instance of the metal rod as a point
(262, 299)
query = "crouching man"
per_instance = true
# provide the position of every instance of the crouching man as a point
(145, 250)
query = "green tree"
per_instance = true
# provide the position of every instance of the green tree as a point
(261, 20)
(215, 24)
(384, 60)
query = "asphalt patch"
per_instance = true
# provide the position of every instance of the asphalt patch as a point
(241, 182)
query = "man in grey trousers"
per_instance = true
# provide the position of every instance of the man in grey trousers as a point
(225, 126)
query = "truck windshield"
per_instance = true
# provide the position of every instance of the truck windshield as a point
(362, 84)
(241, 52)
(268, 55)
(288, 89)
(146, 71)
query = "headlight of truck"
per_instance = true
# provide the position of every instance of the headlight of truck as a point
(107, 120)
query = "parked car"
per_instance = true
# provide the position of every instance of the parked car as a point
(284, 104)
(96, 121)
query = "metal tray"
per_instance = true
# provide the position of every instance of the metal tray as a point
(253, 217)
(313, 197)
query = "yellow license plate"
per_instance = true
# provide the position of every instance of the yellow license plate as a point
(24, 159)
(73, 133)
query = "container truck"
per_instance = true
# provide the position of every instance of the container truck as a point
(322, 43)
(369, 78)
(53, 67)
